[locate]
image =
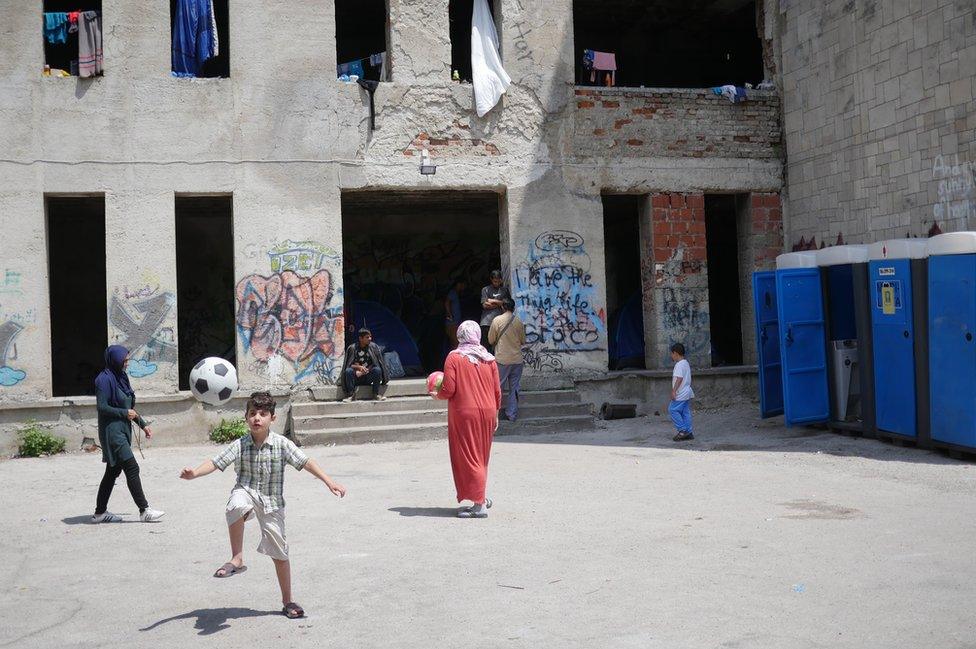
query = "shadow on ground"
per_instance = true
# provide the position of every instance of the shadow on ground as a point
(85, 519)
(433, 512)
(212, 620)
(731, 430)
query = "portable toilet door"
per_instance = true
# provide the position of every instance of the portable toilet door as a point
(952, 350)
(894, 334)
(767, 344)
(803, 352)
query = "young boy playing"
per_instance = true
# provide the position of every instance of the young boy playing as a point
(260, 462)
(681, 394)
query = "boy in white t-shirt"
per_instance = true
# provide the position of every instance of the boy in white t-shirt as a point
(681, 394)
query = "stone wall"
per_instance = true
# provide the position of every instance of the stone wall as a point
(635, 122)
(880, 118)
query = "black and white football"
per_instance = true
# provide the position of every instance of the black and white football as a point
(213, 380)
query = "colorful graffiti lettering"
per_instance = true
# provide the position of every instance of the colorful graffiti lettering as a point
(287, 317)
(9, 376)
(143, 325)
(555, 297)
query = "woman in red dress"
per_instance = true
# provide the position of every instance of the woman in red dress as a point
(474, 396)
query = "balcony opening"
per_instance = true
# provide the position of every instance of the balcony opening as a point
(666, 43)
(204, 280)
(200, 39)
(625, 305)
(72, 33)
(459, 14)
(361, 39)
(76, 282)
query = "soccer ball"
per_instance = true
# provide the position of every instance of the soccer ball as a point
(213, 380)
(434, 382)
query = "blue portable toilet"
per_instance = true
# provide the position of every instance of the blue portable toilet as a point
(767, 343)
(850, 361)
(899, 322)
(952, 350)
(801, 331)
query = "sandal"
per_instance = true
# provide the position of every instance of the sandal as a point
(293, 611)
(229, 569)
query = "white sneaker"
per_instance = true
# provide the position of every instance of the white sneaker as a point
(151, 515)
(106, 517)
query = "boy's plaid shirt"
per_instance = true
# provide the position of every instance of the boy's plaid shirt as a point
(261, 471)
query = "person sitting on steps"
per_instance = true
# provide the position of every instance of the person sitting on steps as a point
(364, 365)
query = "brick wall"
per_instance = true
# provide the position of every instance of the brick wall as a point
(879, 113)
(675, 278)
(633, 122)
(760, 233)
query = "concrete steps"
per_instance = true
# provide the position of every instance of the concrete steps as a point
(408, 414)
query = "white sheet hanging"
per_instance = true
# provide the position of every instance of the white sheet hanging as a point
(487, 74)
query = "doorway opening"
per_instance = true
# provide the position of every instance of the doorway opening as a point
(204, 281)
(667, 43)
(625, 305)
(361, 39)
(77, 287)
(403, 252)
(724, 296)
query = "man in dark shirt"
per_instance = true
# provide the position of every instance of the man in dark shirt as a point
(493, 298)
(364, 365)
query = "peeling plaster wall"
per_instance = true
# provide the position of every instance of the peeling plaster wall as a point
(284, 138)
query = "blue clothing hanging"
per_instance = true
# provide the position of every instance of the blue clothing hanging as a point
(194, 36)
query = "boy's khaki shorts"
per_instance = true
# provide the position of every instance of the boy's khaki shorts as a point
(272, 524)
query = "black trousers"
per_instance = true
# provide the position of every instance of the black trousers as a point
(131, 468)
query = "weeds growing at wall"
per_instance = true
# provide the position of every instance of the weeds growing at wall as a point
(228, 430)
(35, 441)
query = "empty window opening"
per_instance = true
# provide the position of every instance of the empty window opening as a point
(625, 305)
(76, 283)
(204, 280)
(402, 253)
(724, 298)
(200, 40)
(72, 38)
(666, 43)
(460, 13)
(361, 37)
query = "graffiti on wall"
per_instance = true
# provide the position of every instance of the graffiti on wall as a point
(681, 288)
(142, 318)
(555, 298)
(956, 183)
(10, 282)
(9, 376)
(293, 316)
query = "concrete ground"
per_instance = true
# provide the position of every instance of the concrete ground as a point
(752, 536)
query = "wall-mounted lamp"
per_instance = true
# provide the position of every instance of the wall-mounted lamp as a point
(426, 169)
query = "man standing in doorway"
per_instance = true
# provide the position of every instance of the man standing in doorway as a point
(492, 297)
(452, 311)
(507, 335)
(364, 365)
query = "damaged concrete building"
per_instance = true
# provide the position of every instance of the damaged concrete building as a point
(262, 208)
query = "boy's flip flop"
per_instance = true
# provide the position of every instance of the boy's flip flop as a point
(293, 611)
(229, 569)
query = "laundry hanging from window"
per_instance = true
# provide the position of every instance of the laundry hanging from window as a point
(194, 36)
(602, 65)
(73, 43)
(487, 74)
(369, 67)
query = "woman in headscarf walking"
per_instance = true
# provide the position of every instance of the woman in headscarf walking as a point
(474, 396)
(116, 402)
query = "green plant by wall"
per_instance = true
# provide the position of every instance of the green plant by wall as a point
(228, 430)
(35, 441)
